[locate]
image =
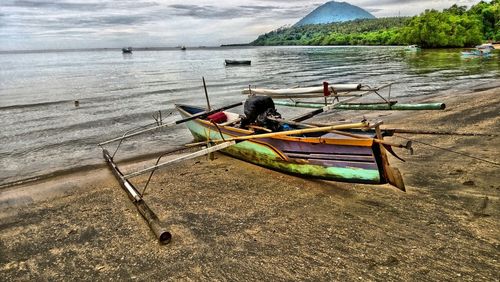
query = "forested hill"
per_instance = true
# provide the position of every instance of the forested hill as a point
(453, 27)
(358, 32)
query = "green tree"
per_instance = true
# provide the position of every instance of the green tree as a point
(453, 27)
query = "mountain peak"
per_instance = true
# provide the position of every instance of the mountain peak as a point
(333, 11)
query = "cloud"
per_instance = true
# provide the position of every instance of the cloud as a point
(373, 10)
(54, 5)
(63, 5)
(207, 11)
(242, 11)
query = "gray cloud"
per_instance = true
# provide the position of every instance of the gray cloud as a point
(204, 12)
(71, 15)
(414, 3)
(54, 5)
(373, 10)
(217, 12)
(104, 21)
(63, 5)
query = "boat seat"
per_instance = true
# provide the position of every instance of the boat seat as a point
(231, 118)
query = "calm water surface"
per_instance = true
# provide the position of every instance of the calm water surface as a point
(42, 131)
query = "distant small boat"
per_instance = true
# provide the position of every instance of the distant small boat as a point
(413, 48)
(238, 62)
(183, 48)
(477, 53)
(486, 47)
(127, 50)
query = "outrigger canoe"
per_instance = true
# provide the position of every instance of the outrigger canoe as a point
(321, 155)
(355, 152)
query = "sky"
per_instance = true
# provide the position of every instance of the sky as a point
(73, 24)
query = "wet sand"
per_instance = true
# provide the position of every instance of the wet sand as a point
(231, 220)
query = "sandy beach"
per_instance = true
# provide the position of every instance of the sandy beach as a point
(231, 220)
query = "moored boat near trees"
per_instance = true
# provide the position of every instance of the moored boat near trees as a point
(237, 62)
(413, 48)
(127, 50)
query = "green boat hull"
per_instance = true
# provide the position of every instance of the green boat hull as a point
(265, 153)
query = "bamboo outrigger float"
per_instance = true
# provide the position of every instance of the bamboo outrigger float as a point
(355, 152)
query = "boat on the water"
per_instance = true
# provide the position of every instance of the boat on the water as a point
(317, 154)
(476, 53)
(486, 46)
(238, 62)
(183, 48)
(413, 48)
(127, 50)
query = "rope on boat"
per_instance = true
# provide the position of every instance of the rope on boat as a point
(218, 129)
(451, 151)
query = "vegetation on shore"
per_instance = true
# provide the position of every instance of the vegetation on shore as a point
(453, 27)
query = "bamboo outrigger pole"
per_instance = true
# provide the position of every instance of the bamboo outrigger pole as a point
(432, 132)
(199, 115)
(153, 221)
(182, 158)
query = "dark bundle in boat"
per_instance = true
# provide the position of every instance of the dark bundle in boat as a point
(257, 110)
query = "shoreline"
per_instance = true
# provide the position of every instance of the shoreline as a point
(233, 220)
(223, 46)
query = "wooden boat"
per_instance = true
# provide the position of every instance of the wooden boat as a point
(238, 62)
(322, 155)
(127, 50)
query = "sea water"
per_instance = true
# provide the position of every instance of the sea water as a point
(43, 132)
